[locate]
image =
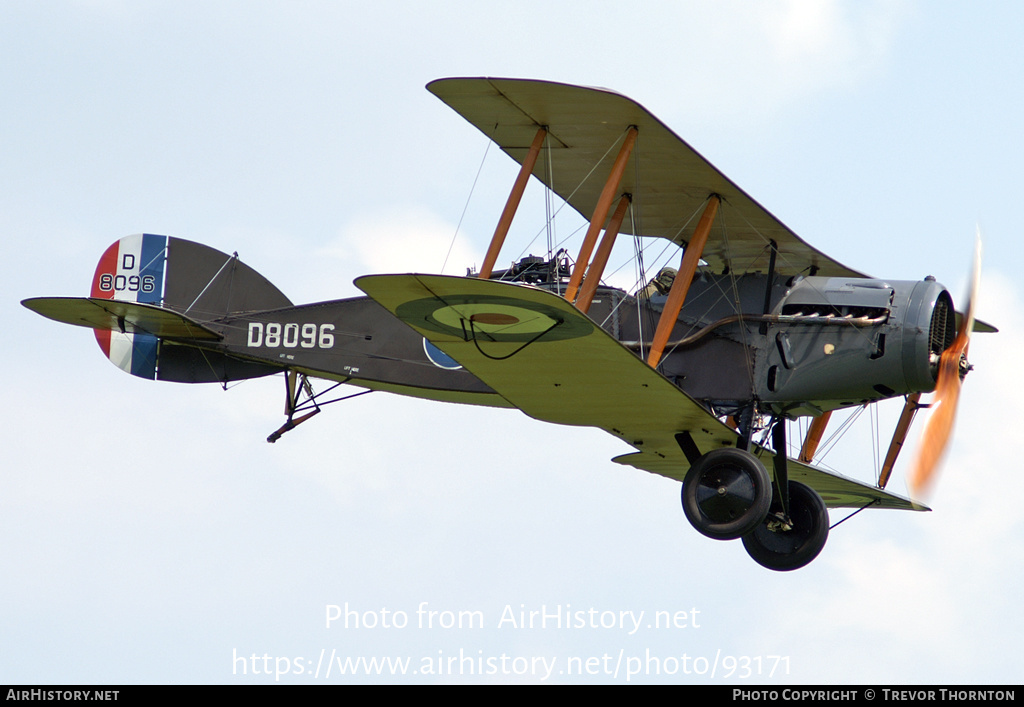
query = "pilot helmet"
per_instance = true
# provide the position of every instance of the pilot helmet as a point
(666, 276)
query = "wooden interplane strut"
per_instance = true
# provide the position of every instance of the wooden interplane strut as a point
(898, 437)
(512, 204)
(596, 269)
(681, 285)
(813, 438)
(604, 204)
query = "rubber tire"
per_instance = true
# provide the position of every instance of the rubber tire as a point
(792, 549)
(745, 501)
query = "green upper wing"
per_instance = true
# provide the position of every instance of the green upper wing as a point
(553, 363)
(669, 180)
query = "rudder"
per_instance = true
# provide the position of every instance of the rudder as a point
(132, 270)
(191, 279)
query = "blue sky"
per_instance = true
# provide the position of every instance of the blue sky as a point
(149, 534)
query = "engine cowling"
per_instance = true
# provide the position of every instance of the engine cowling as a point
(846, 341)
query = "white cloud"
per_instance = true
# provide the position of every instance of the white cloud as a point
(771, 57)
(405, 240)
(818, 42)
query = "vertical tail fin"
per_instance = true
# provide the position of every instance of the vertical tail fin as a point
(191, 279)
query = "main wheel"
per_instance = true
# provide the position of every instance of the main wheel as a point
(780, 549)
(726, 493)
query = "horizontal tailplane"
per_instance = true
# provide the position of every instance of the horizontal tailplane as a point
(125, 317)
(153, 307)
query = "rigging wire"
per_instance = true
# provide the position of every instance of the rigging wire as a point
(466, 207)
(641, 278)
(643, 272)
(233, 256)
(639, 268)
(548, 218)
(875, 439)
(834, 438)
(669, 241)
(865, 506)
(579, 186)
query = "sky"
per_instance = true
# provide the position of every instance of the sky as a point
(149, 534)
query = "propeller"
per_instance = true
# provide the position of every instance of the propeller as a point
(953, 367)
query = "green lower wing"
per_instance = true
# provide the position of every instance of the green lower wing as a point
(553, 363)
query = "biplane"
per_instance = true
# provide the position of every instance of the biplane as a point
(697, 369)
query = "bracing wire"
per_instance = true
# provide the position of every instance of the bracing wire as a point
(639, 260)
(566, 200)
(834, 438)
(466, 207)
(875, 440)
(549, 219)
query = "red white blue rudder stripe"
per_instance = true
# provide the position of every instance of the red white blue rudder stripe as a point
(133, 269)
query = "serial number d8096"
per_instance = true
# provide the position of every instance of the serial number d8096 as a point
(273, 335)
(131, 283)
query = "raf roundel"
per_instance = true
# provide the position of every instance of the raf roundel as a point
(493, 318)
(439, 358)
